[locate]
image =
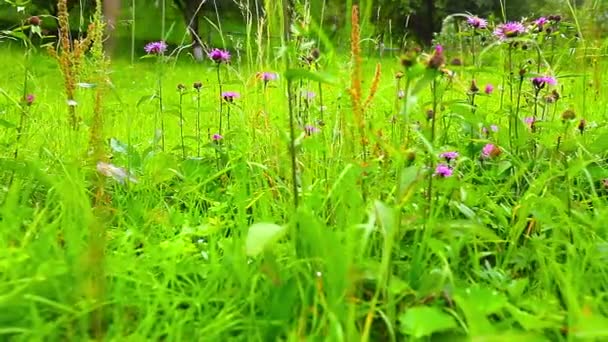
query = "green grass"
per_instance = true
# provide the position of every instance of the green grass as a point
(514, 247)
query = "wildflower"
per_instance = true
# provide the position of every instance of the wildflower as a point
(219, 56)
(568, 114)
(181, 87)
(34, 20)
(555, 18)
(530, 121)
(118, 173)
(581, 125)
(486, 131)
(494, 128)
(474, 89)
(217, 137)
(489, 89)
(456, 62)
(308, 95)
(29, 99)
(267, 76)
(449, 156)
(443, 171)
(490, 150)
(399, 75)
(430, 114)
(197, 85)
(156, 48)
(230, 96)
(437, 59)
(541, 81)
(540, 22)
(509, 30)
(310, 130)
(477, 23)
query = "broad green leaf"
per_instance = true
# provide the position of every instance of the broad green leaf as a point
(386, 216)
(6, 124)
(424, 321)
(261, 235)
(302, 74)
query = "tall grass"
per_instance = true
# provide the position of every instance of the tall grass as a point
(306, 220)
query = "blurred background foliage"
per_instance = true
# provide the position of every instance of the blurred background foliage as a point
(392, 22)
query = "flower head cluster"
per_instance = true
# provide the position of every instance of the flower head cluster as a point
(230, 96)
(477, 23)
(29, 99)
(444, 171)
(437, 59)
(449, 156)
(219, 56)
(217, 137)
(156, 48)
(541, 81)
(540, 22)
(490, 151)
(509, 30)
(267, 76)
(489, 89)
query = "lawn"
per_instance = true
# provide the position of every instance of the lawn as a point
(453, 193)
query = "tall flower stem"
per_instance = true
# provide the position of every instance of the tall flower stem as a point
(510, 80)
(160, 103)
(181, 122)
(219, 82)
(198, 122)
(292, 146)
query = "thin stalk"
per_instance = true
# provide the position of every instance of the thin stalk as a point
(198, 123)
(181, 123)
(219, 82)
(292, 146)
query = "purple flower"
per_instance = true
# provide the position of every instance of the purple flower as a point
(438, 49)
(540, 82)
(449, 156)
(29, 99)
(477, 23)
(156, 48)
(118, 173)
(219, 56)
(308, 95)
(489, 89)
(217, 137)
(490, 150)
(540, 22)
(267, 76)
(310, 129)
(444, 171)
(493, 128)
(229, 96)
(509, 30)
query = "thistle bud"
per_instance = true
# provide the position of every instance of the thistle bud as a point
(581, 126)
(430, 114)
(34, 21)
(474, 89)
(197, 85)
(568, 114)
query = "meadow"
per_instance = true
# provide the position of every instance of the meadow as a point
(455, 192)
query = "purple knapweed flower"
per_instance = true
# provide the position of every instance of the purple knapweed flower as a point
(216, 137)
(444, 171)
(477, 23)
(308, 95)
(156, 48)
(29, 99)
(219, 56)
(540, 22)
(540, 82)
(267, 76)
(230, 96)
(118, 173)
(310, 130)
(489, 89)
(509, 30)
(486, 131)
(490, 150)
(449, 156)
